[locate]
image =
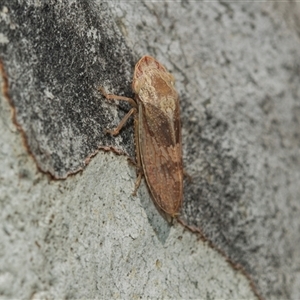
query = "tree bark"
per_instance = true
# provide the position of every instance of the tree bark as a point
(70, 226)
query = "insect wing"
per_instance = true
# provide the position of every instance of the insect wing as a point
(161, 155)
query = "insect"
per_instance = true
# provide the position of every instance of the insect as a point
(157, 129)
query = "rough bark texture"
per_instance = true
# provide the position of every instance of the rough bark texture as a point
(57, 55)
(238, 76)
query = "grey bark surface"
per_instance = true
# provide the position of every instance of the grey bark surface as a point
(87, 238)
(237, 73)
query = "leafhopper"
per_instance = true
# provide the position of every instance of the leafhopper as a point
(156, 112)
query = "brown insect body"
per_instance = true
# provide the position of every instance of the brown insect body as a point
(157, 133)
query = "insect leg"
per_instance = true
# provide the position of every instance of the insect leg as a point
(119, 127)
(188, 176)
(116, 97)
(127, 116)
(121, 124)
